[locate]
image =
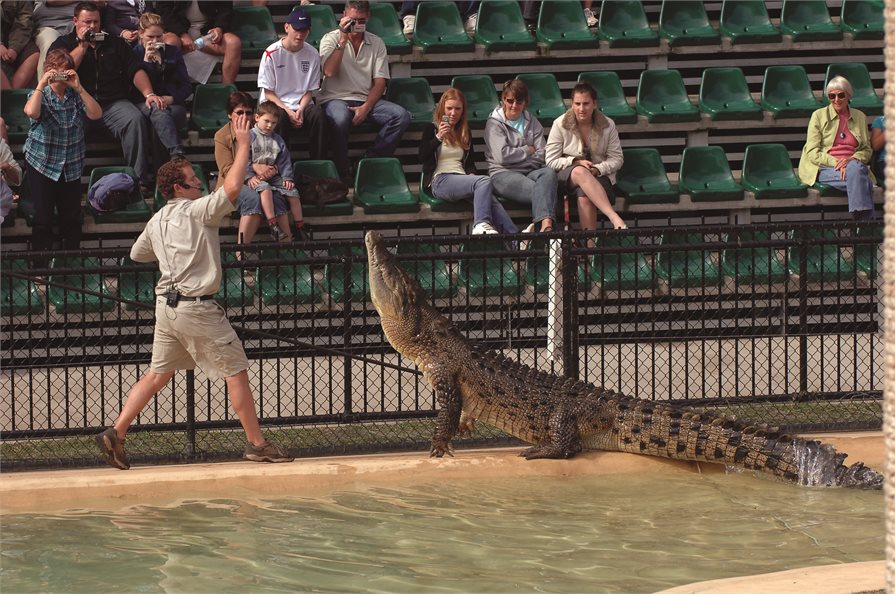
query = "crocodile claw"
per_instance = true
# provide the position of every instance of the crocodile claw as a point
(438, 451)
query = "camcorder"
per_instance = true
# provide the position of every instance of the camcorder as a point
(355, 26)
(157, 46)
(91, 36)
(57, 76)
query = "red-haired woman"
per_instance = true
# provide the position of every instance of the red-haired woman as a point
(449, 166)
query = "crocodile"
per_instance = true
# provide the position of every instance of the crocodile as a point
(562, 416)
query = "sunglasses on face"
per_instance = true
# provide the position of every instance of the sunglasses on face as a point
(243, 112)
(509, 101)
(832, 96)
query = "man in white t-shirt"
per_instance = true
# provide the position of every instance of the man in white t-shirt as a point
(288, 75)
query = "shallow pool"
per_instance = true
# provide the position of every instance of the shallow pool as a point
(610, 533)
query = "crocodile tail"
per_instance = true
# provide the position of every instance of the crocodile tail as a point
(658, 429)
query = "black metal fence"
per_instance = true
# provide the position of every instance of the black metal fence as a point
(776, 323)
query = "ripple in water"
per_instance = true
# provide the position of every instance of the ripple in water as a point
(594, 534)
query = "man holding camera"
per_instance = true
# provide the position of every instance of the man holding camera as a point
(355, 70)
(108, 69)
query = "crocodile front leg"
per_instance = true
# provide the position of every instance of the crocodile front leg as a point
(564, 440)
(447, 422)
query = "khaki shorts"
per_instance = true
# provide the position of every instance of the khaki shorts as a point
(196, 333)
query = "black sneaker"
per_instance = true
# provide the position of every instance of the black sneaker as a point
(276, 233)
(112, 448)
(266, 452)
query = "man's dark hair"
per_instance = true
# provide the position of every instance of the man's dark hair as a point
(88, 6)
(585, 87)
(171, 173)
(238, 98)
(358, 5)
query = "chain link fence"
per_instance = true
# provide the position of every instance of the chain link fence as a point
(778, 324)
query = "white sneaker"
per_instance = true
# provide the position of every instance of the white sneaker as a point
(470, 24)
(591, 17)
(523, 244)
(484, 228)
(409, 24)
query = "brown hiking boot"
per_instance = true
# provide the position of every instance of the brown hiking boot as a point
(112, 448)
(266, 452)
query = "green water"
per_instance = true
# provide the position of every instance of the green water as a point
(584, 534)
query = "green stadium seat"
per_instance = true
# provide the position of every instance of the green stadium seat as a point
(623, 270)
(323, 20)
(209, 111)
(862, 18)
(686, 266)
(610, 96)
(662, 97)
(137, 285)
(623, 23)
(414, 95)
(439, 205)
(562, 25)
(434, 276)
(867, 255)
(321, 168)
(705, 175)
(824, 262)
(385, 23)
(254, 26)
(500, 27)
(480, 93)
(751, 265)
(439, 28)
(747, 21)
(136, 210)
(808, 20)
(642, 178)
(18, 296)
(685, 22)
(724, 95)
(488, 277)
(865, 97)
(73, 301)
(380, 187)
(333, 281)
(544, 97)
(12, 104)
(286, 284)
(234, 291)
(158, 201)
(786, 92)
(768, 173)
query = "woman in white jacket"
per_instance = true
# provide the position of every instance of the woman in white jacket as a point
(584, 149)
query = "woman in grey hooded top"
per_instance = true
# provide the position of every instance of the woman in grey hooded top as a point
(515, 150)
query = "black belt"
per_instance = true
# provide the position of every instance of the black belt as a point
(202, 298)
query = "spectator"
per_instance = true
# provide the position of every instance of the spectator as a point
(18, 52)
(288, 76)
(449, 166)
(249, 204)
(269, 149)
(355, 67)
(190, 328)
(191, 19)
(878, 144)
(55, 149)
(51, 19)
(10, 173)
(468, 13)
(583, 147)
(121, 18)
(167, 74)
(837, 150)
(515, 151)
(109, 70)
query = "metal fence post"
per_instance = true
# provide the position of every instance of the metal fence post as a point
(569, 309)
(190, 452)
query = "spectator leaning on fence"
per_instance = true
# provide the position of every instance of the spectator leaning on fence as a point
(18, 52)
(55, 149)
(355, 70)
(288, 76)
(108, 70)
(190, 328)
(837, 149)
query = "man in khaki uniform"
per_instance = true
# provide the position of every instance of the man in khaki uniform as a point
(191, 329)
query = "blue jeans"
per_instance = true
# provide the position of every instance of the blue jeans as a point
(392, 118)
(485, 207)
(166, 123)
(537, 188)
(249, 203)
(856, 184)
(125, 122)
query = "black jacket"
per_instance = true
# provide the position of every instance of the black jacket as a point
(107, 71)
(217, 14)
(430, 146)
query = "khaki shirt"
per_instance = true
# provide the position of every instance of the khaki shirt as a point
(183, 238)
(357, 71)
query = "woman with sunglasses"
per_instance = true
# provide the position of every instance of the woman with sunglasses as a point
(515, 151)
(449, 166)
(249, 204)
(837, 151)
(583, 147)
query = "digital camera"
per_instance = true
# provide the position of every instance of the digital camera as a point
(355, 26)
(91, 36)
(157, 46)
(59, 76)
